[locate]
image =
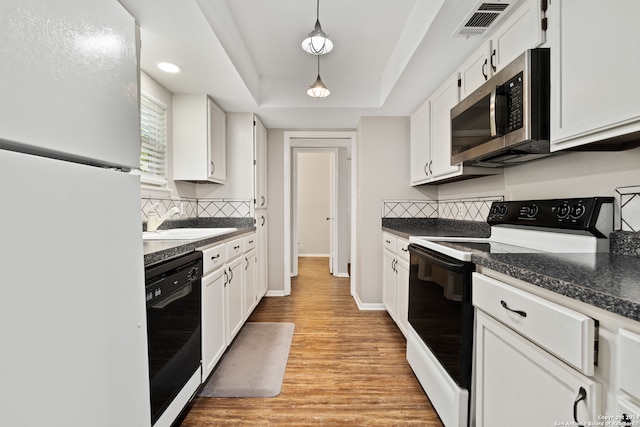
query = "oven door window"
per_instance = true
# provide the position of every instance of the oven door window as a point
(440, 310)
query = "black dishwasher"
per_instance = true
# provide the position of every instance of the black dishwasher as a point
(173, 295)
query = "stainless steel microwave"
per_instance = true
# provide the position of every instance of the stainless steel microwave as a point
(506, 120)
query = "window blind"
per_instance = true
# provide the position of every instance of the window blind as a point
(153, 135)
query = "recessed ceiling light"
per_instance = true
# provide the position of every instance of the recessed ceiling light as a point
(169, 67)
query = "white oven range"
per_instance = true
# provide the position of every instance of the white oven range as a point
(441, 314)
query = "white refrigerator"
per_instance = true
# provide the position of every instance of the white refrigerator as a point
(72, 311)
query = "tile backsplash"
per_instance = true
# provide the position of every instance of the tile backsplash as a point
(627, 209)
(472, 209)
(200, 208)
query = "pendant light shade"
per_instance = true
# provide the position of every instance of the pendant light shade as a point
(318, 89)
(317, 42)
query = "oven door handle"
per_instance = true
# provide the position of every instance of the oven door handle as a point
(436, 259)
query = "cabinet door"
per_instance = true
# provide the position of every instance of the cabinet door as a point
(442, 101)
(262, 257)
(402, 295)
(520, 31)
(260, 139)
(594, 70)
(234, 295)
(250, 294)
(517, 383)
(420, 156)
(389, 282)
(217, 143)
(213, 320)
(475, 70)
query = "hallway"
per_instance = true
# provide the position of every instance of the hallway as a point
(345, 367)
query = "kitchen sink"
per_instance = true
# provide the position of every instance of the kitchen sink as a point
(185, 233)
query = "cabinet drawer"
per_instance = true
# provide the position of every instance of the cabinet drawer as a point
(213, 257)
(235, 248)
(567, 334)
(628, 368)
(249, 242)
(402, 249)
(389, 242)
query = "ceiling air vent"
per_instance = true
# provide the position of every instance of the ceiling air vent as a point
(482, 17)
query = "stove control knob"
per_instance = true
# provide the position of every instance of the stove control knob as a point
(532, 211)
(502, 210)
(564, 210)
(577, 211)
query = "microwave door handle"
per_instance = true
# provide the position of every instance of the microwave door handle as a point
(492, 113)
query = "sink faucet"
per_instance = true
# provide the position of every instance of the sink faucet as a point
(154, 220)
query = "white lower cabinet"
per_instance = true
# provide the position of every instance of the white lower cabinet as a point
(227, 285)
(213, 320)
(517, 383)
(250, 292)
(234, 297)
(395, 286)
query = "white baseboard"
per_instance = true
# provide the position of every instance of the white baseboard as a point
(275, 294)
(367, 306)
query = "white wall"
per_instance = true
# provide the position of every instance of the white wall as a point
(275, 208)
(382, 173)
(314, 205)
(571, 174)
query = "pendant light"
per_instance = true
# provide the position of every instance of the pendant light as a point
(318, 89)
(317, 42)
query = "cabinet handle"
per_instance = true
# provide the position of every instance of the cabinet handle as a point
(430, 163)
(520, 312)
(404, 249)
(426, 171)
(484, 67)
(393, 265)
(235, 248)
(582, 394)
(250, 242)
(493, 65)
(226, 278)
(215, 257)
(213, 168)
(230, 275)
(262, 200)
(247, 261)
(263, 220)
(388, 242)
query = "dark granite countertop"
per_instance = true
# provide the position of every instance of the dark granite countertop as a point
(161, 250)
(610, 281)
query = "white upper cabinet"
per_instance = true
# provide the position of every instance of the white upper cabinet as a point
(595, 93)
(260, 140)
(420, 153)
(442, 101)
(522, 30)
(199, 139)
(431, 139)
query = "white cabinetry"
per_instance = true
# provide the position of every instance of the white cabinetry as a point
(234, 289)
(395, 287)
(260, 138)
(534, 359)
(431, 139)
(213, 308)
(594, 70)
(262, 257)
(251, 297)
(199, 139)
(522, 30)
(229, 277)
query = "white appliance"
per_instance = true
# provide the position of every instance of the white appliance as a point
(72, 313)
(441, 313)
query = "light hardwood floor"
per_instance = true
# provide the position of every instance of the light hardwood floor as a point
(345, 367)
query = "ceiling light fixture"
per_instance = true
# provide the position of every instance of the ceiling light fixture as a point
(317, 42)
(318, 89)
(169, 67)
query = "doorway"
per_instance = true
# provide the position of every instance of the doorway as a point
(339, 145)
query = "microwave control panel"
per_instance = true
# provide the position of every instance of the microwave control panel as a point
(513, 92)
